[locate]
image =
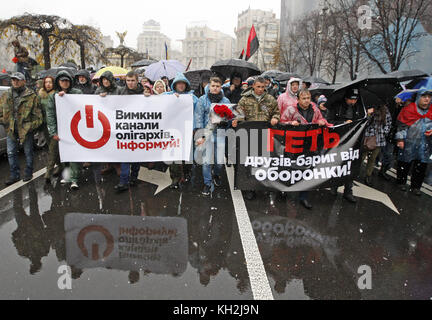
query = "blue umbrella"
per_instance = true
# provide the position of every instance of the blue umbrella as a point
(420, 83)
(407, 94)
(164, 68)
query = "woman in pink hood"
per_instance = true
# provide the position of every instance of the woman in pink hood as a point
(290, 97)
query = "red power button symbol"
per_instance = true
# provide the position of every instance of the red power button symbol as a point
(90, 124)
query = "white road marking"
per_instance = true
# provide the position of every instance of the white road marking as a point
(20, 184)
(258, 277)
(425, 189)
(161, 179)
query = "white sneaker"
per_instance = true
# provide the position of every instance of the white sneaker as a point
(74, 186)
(64, 181)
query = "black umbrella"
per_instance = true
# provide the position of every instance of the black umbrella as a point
(402, 76)
(196, 77)
(315, 80)
(373, 91)
(226, 68)
(54, 71)
(143, 63)
(286, 76)
(272, 73)
(323, 89)
(69, 65)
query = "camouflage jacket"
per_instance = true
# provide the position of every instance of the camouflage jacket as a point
(263, 110)
(29, 114)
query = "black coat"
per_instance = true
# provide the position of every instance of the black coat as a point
(341, 113)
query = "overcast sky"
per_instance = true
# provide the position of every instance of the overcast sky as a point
(111, 16)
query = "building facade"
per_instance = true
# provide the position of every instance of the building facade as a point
(151, 41)
(206, 46)
(267, 29)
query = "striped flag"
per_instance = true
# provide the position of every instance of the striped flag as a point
(253, 43)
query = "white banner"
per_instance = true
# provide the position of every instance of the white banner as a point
(124, 129)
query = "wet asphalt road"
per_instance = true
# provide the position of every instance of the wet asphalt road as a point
(305, 254)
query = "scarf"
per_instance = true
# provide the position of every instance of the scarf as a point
(215, 98)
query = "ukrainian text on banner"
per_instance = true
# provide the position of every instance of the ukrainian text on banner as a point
(124, 128)
(297, 158)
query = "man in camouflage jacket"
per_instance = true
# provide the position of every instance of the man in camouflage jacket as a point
(21, 115)
(257, 105)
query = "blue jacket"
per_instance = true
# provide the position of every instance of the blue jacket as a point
(202, 112)
(417, 145)
(181, 78)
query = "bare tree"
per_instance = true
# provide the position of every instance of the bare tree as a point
(88, 40)
(47, 27)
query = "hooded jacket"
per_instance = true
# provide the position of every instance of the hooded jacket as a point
(89, 87)
(29, 114)
(289, 98)
(156, 83)
(413, 122)
(51, 112)
(202, 113)
(113, 89)
(264, 109)
(181, 78)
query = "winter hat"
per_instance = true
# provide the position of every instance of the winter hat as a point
(322, 99)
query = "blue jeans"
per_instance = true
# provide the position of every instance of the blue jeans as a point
(12, 152)
(387, 156)
(214, 153)
(128, 170)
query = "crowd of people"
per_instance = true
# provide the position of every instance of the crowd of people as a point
(403, 135)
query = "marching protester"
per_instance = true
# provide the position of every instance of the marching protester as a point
(271, 87)
(290, 97)
(233, 91)
(167, 85)
(414, 139)
(375, 138)
(63, 85)
(304, 113)
(129, 171)
(20, 115)
(214, 144)
(348, 111)
(321, 102)
(108, 85)
(159, 87)
(181, 172)
(44, 95)
(257, 105)
(84, 83)
(148, 90)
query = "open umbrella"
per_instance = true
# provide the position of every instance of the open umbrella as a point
(54, 71)
(143, 63)
(164, 68)
(315, 80)
(69, 65)
(373, 91)
(272, 73)
(195, 77)
(402, 76)
(409, 94)
(116, 71)
(286, 76)
(226, 68)
(323, 89)
(420, 83)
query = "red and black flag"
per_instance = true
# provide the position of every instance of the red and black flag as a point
(242, 55)
(253, 43)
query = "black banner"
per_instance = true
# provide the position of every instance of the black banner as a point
(287, 158)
